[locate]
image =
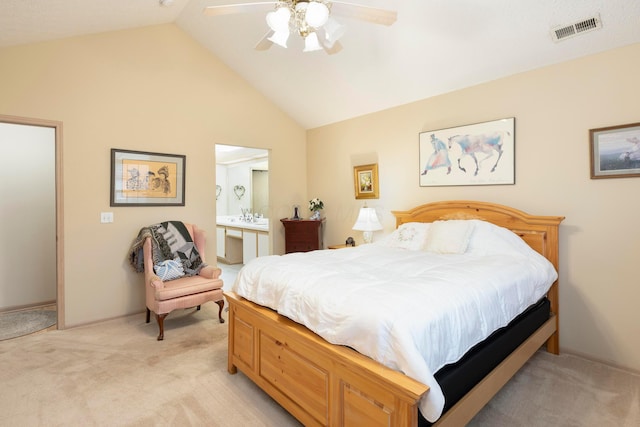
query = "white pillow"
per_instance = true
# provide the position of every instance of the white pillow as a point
(490, 239)
(449, 237)
(410, 235)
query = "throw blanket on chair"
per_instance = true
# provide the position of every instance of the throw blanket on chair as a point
(171, 242)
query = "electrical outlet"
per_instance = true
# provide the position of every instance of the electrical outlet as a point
(106, 217)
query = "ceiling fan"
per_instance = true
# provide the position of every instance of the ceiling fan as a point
(311, 19)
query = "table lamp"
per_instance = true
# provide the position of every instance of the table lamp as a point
(367, 222)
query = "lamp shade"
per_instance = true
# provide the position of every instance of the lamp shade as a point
(367, 220)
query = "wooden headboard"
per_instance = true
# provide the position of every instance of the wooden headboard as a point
(539, 232)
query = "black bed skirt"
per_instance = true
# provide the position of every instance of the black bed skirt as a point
(459, 378)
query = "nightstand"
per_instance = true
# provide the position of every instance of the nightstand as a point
(342, 246)
(302, 235)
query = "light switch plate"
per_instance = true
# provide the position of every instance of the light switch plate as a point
(106, 217)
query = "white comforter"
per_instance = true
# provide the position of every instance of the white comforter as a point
(410, 310)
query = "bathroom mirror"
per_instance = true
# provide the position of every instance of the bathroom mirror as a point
(242, 167)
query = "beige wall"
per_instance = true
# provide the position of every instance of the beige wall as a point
(554, 109)
(150, 89)
(154, 89)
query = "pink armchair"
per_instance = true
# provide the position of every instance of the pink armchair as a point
(185, 292)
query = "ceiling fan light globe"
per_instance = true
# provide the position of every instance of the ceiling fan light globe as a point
(278, 20)
(280, 37)
(316, 14)
(311, 43)
(333, 31)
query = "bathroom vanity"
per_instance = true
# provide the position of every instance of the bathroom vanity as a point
(239, 241)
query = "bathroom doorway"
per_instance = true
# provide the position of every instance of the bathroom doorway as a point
(242, 187)
(242, 180)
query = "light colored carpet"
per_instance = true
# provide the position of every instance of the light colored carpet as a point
(565, 390)
(116, 373)
(19, 323)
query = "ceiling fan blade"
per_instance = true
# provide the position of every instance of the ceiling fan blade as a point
(365, 13)
(265, 43)
(229, 9)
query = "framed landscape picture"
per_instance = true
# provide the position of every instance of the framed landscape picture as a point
(615, 151)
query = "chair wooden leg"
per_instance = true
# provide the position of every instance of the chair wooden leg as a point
(148, 315)
(221, 304)
(160, 318)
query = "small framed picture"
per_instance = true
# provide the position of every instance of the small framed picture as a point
(365, 178)
(139, 178)
(615, 151)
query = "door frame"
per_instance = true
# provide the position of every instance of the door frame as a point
(57, 126)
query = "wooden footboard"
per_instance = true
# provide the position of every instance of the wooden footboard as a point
(319, 383)
(327, 385)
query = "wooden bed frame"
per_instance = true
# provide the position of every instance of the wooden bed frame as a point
(324, 384)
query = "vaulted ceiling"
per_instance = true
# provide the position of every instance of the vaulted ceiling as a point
(436, 46)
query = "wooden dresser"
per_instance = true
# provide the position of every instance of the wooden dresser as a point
(303, 235)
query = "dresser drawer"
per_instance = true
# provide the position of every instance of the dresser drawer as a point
(303, 235)
(300, 247)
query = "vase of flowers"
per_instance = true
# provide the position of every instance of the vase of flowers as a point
(315, 206)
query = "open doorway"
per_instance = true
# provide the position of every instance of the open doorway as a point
(33, 201)
(242, 180)
(242, 207)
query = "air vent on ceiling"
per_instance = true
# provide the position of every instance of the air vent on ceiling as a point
(567, 31)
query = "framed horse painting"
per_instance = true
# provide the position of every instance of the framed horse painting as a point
(477, 154)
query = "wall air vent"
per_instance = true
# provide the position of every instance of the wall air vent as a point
(584, 26)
